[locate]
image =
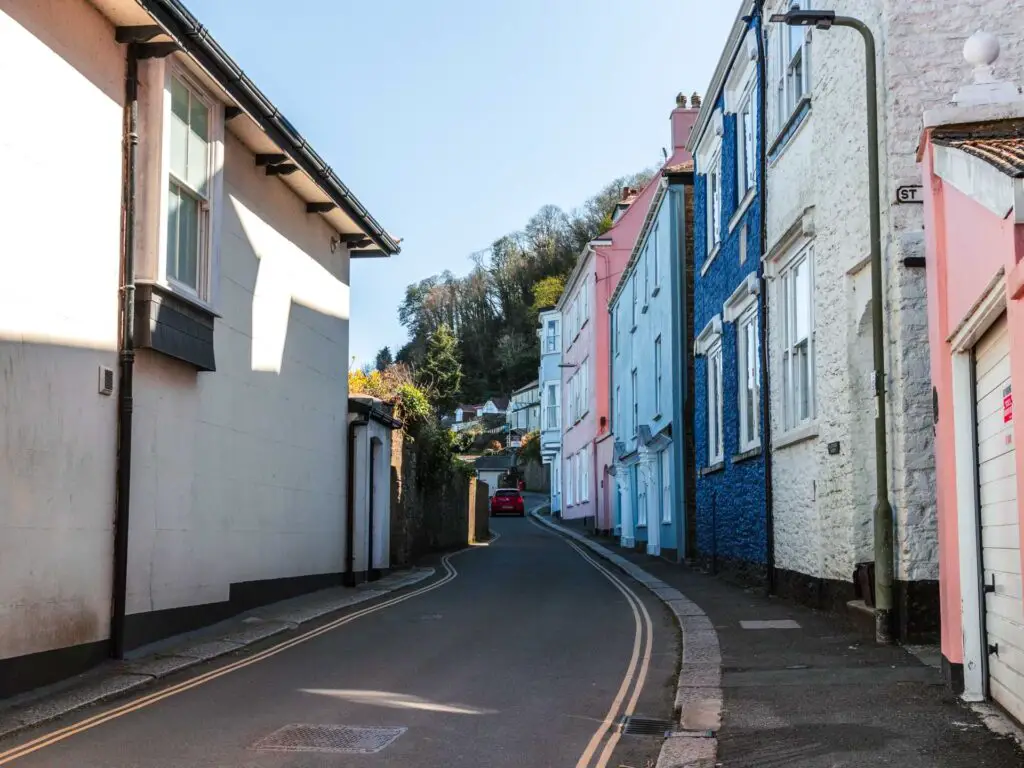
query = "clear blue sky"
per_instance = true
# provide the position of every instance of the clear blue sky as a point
(453, 121)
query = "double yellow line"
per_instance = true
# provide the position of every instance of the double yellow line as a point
(608, 732)
(89, 723)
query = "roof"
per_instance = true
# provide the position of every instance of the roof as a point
(375, 409)
(501, 403)
(465, 408)
(494, 463)
(1001, 144)
(671, 170)
(177, 23)
(535, 384)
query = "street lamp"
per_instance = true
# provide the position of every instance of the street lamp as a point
(825, 20)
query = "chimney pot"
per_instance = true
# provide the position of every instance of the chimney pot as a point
(695, 100)
(681, 100)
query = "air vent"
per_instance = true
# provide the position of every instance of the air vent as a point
(106, 380)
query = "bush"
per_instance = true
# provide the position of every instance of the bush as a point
(394, 386)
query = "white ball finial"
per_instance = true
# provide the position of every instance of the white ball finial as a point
(981, 51)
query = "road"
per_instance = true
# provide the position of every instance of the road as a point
(521, 653)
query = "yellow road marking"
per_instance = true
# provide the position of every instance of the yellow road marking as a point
(99, 719)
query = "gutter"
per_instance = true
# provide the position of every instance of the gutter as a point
(126, 359)
(197, 42)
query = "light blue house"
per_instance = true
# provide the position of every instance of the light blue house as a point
(549, 377)
(732, 517)
(650, 311)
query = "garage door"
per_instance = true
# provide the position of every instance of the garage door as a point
(1000, 535)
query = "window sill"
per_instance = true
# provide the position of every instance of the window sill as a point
(710, 260)
(641, 525)
(717, 467)
(656, 291)
(747, 455)
(175, 325)
(656, 417)
(643, 310)
(789, 130)
(741, 211)
(797, 435)
(633, 329)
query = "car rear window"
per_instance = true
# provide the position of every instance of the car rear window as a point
(507, 494)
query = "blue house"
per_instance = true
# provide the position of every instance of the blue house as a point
(650, 320)
(730, 441)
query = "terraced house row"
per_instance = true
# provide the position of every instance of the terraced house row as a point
(798, 343)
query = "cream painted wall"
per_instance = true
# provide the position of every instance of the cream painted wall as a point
(365, 436)
(59, 255)
(239, 474)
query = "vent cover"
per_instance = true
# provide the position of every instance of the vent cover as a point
(106, 380)
(334, 739)
(645, 726)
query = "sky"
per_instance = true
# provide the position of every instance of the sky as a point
(454, 121)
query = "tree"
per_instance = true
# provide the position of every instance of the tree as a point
(546, 292)
(383, 360)
(441, 371)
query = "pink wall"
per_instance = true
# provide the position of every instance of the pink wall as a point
(966, 246)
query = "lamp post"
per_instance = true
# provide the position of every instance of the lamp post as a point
(825, 20)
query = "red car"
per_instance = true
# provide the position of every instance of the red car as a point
(508, 501)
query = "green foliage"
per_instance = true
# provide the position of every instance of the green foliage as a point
(441, 372)
(395, 387)
(530, 448)
(435, 454)
(492, 311)
(383, 361)
(547, 291)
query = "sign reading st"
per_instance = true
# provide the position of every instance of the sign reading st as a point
(910, 193)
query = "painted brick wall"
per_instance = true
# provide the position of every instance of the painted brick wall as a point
(731, 512)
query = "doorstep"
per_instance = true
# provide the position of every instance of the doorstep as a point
(144, 666)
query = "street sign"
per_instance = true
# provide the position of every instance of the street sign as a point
(910, 193)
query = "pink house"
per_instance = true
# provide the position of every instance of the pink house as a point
(972, 155)
(587, 490)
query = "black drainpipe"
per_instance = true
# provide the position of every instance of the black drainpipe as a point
(126, 359)
(371, 574)
(350, 517)
(762, 199)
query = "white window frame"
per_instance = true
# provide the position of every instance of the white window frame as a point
(748, 370)
(657, 376)
(617, 426)
(584, 374)
(617, 320)
(789, 89)
(655, 237)
(551, 335)
(585, 296)
(585, 484)
(791, 391)
(714, 203)
(570, 484)
(551, 391)
(715, 411)
(208, 255)
(641, 505)
(636, 402)
(647, 281)
(633, 281)
(666, 485)
(746, 147)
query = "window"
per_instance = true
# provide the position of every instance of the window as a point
(746, 166)
(657, 376)
(716, 449)
(585, 485)
(656, 254)
(714, 203)
(551, 336)
(551, 420)
(798, 342)
(585, 298)
(666, 485)
(634, 301)
(748, 360)
(790, 68)
(641, 503)
(636, 410)
(617, 319)
(570, 484)
(617, 426)
(580, 486)
(189, 182)
(584, 375)
(647, 286)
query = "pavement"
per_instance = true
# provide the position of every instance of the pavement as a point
(805, 689)
(512, 654)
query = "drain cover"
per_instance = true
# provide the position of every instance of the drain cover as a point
(337, 739)
(645, 726)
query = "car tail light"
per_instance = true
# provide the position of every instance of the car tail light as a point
(519, 504)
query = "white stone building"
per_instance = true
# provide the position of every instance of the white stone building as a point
(216, 401)
(819, 275)
(550, 383)
(524, 408)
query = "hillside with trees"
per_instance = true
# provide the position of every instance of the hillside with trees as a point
(489, 316)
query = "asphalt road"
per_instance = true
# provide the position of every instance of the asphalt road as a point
(516, 661)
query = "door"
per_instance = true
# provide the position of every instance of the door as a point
(1000, 531)
(652, 497)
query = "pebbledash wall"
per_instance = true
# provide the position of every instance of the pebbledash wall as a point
(238, 475)
(731, 507)
(817, 186)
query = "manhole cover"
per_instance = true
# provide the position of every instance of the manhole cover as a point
(337, 739)
(645, 726)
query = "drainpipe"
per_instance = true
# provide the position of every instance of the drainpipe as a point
(126, 359)
(762, 199)
(350, 517)
(680, 332)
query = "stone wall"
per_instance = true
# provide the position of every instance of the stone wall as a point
(425, 520)
(537, 476)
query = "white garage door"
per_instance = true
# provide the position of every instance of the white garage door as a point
(1000, 534)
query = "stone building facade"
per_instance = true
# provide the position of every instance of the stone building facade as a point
(817, 214)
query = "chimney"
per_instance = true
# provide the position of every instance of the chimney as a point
(683, 120)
